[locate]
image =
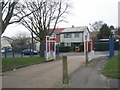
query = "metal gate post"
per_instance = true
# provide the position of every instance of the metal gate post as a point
(111, 47)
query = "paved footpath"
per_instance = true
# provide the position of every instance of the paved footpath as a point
(44, 75)
(90, 76)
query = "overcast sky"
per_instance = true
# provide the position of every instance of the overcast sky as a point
(83, 13)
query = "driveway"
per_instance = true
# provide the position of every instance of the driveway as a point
(44, 75)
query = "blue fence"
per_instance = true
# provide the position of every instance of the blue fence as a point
(19, 53)
(16, 54)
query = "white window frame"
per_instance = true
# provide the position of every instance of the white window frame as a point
(53, 35)
(67, 35)
(67, 44)
(77, 35)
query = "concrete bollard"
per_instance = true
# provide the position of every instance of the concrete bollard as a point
(65, 70)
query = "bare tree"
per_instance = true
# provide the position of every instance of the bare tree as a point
(21, 40)
(43, 21)
(7, 12)
(10, 14)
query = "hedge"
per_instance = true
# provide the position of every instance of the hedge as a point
(101, 46)
(81, 47)
(104, 46)
(65, 49)
(61, 45)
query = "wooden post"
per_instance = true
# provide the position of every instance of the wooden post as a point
(65, 70)
(86, 57)
(86, 52)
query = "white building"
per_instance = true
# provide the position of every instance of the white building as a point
(6, 41)
(74, 36)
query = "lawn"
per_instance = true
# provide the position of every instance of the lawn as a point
(11, 63)
(112, 67)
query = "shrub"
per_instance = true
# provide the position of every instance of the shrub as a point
(61, 44)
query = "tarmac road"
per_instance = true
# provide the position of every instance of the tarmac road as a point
(90, 76)
(44, 75)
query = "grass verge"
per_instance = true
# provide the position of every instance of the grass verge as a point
(111, 68)
(11, 63)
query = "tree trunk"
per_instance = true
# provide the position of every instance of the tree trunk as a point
(0, 47)
(42, 49)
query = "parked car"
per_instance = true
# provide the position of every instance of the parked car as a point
(29, 51)
(3, 50)
(9, 50)
(6, 49)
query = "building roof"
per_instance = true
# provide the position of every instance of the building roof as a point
(75, 29)
(7, 37)
(58, 30)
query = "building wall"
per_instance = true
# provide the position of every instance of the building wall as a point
(75, 42)
(5, 42)
(86, 32)
(72, 39)
(57, 38)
